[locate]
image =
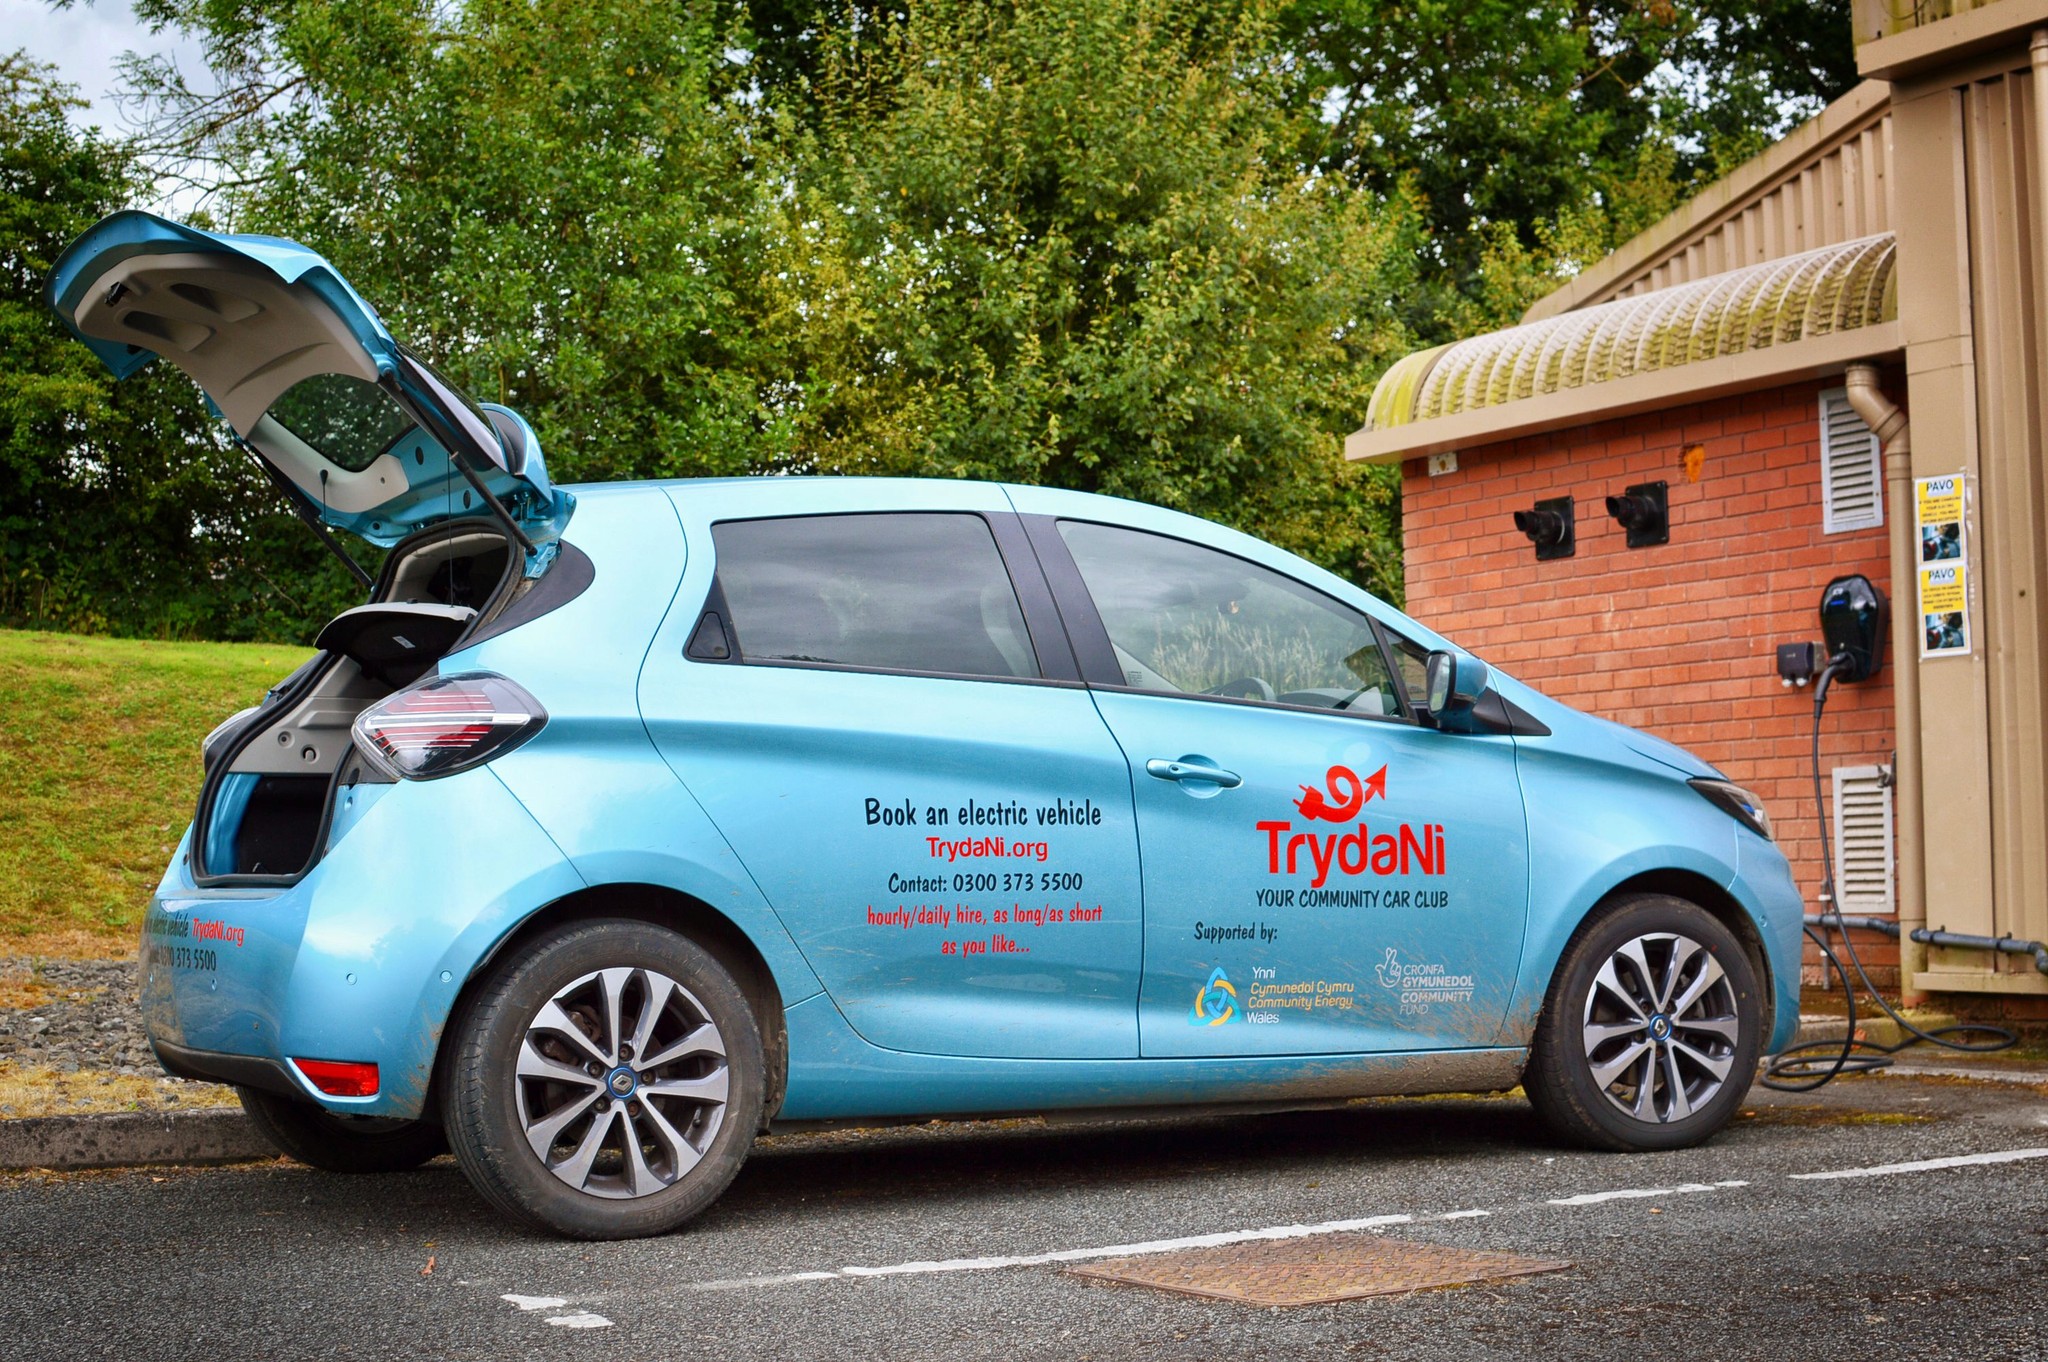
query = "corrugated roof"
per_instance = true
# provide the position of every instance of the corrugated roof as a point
(1798, 297)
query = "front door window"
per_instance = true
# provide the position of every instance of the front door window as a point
(1187, 620)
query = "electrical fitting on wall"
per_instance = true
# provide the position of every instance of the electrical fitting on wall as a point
(1852, 620)
(1799, 663)
(1549, 525)
(1644, 511)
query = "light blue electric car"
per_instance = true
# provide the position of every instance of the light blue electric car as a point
(624, 822)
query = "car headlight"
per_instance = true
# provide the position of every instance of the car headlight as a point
(1738, 803)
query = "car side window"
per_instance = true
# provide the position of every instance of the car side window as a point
(1188, 620)
(913, 592)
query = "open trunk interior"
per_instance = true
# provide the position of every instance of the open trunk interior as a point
(272, 772)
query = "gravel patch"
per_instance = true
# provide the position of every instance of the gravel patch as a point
(89, 1021)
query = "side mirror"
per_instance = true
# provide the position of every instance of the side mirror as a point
(1454, 682)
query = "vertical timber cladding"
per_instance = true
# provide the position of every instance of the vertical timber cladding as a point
(1934, 315)
(2002, 168)
(1967, 150)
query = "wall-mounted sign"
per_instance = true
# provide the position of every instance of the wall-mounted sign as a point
(1943, 568)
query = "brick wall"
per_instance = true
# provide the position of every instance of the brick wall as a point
(1679, 640)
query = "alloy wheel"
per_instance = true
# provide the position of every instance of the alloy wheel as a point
(622, 1082)
(1660, 1027)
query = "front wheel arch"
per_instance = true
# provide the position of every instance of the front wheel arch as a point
(1573, 1098)
(659, 906)
(1713, 898)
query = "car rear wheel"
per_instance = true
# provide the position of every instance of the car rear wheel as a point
(1650, 1033)
(339, 1143)
(606, 1083)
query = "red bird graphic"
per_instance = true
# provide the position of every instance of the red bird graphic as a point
(1346, 796)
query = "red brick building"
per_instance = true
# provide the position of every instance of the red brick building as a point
(1799, 361)
(1678, 639)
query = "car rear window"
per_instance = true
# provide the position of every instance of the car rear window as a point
(910, 592)
(350, 422)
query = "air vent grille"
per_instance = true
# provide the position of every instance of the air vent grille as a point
(1863, 840)
(1851, 471)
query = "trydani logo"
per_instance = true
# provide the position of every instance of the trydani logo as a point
(1215, 1001)
(1346, 795)
(1405, 849)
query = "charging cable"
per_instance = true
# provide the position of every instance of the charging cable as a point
(1802, 1068)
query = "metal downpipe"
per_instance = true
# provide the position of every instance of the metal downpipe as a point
(1889, 423)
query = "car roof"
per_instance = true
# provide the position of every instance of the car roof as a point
(806, 494)
(714, 499)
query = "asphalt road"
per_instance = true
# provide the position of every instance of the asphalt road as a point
(1729, 1256)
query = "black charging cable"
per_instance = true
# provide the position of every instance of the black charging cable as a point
(1802, 1068)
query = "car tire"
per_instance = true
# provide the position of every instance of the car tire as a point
(1651, 1030)
(563, 1124)
(339, 1143)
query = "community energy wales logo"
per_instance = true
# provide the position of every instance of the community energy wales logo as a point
(1215, 1001)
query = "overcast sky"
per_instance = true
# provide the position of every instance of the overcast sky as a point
(82, 43)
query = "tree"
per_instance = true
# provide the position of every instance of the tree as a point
(565, 204)
(619, 219)
(1538, 134)
(1067, 243)
(1149, 249)
(121, 508)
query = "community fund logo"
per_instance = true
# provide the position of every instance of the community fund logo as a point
(1404, 849)
(1422, 984)
(1215, 1001)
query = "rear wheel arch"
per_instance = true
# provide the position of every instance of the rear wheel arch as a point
(660, 906)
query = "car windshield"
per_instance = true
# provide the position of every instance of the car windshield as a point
(350, 422)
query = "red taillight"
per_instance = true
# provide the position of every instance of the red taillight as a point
(447, 724)
(340, 1077)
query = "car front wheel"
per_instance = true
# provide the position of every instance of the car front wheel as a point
(1651, 1030)
(606, 1083)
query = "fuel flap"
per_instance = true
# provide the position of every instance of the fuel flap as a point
(305, 372)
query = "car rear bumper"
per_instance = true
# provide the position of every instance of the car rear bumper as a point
(361, 960)
(210, 1066)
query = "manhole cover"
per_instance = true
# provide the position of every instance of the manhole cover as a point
(1315, 1270)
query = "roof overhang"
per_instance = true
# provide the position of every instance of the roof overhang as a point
(1797, 317)
(1895, 43)
(1751, 371)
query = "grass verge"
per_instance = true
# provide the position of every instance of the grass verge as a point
(99, 768)
(33, 1090)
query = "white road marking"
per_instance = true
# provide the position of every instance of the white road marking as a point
(1633, 1193)
(582, 1319)
(536, 1302)
(1192, 1241)
(1376, 1222)
(1927, 1165)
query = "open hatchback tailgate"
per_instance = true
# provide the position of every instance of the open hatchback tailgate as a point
(303, 369)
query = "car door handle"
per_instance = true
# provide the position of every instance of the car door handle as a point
(1183, 770)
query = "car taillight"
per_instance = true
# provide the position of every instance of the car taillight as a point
(446, 724)
(340, 1077)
